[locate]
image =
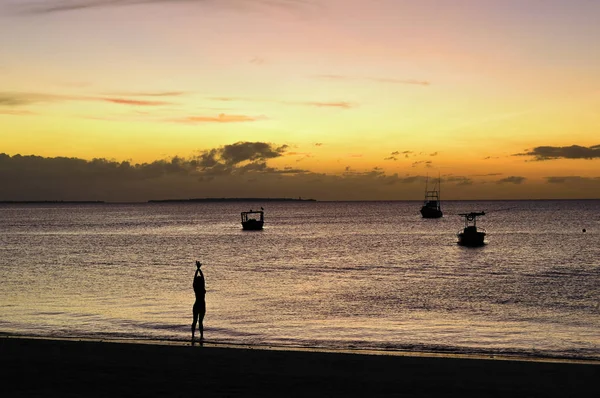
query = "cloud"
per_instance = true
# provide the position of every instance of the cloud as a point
(426, 163)
(16, 112)
(393, 156)
(124, 101)
(23, 99)
(458, 180)
(375, 172)
(319, 104)
(375, 79)
(511, 180)
(488, 175)
(433, 154)
(572, 180)
(62, 178)
(400, 81)
(228, 99)
(339, 104)
(221, 118)
(250, 151)
(257, 60)
(151, 94)
(56, 6)
(562, 152)
(318, 144)
(241, 169)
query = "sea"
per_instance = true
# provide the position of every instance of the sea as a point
(369, 276)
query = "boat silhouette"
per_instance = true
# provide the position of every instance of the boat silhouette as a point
(471, 235)
(431, 206)
(253, 220)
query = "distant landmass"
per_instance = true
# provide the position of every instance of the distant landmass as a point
(51, 201)
(233, 200)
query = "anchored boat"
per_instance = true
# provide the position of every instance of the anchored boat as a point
(471, 235)
(431, 207)
(253, 220)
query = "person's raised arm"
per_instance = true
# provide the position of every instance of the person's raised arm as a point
(198, 265)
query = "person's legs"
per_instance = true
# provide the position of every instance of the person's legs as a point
(201, 323)
(194, 324)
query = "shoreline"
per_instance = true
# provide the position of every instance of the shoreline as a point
(40, 366)
(317, 349)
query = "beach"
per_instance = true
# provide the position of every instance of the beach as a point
(46, 367)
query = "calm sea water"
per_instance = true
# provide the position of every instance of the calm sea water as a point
(371, 275)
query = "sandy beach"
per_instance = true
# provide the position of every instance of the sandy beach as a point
(42, 367)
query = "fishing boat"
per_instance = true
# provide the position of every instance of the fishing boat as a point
(253, 220)
(431, 206)
(471, 235)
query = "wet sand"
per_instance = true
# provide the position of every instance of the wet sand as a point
(67, 368)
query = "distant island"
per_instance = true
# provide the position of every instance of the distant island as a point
(232, 200)
(51, 201)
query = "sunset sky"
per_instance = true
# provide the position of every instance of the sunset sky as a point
(130, 100)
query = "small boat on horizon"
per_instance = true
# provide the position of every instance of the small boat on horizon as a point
(470, 235)
(253, 220)
(431, 207)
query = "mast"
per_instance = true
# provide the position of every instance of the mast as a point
(439, 188)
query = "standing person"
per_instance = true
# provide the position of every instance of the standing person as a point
(200, 305)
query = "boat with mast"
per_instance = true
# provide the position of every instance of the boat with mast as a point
(431, 206)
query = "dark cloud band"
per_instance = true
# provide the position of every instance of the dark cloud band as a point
(563, 152)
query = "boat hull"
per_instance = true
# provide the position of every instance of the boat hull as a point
(472, 239)
(428, 212)
(252, 225)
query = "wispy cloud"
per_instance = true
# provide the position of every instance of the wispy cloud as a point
(125, 101)
(257, 60)
(20, 99)
(13, 99)
(150, 94)
(511, 180)
(374, 79)
(221, 118)
(426, 163)
(487, 175)
(339, 104)
(318, 104)
(572, 180)
(57, 6)
(16, 112)
(562, 152)
(459, 180)
(393, 156)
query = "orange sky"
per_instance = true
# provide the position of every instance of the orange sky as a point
(366, 98)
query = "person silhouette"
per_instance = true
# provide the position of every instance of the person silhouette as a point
(199, 308)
